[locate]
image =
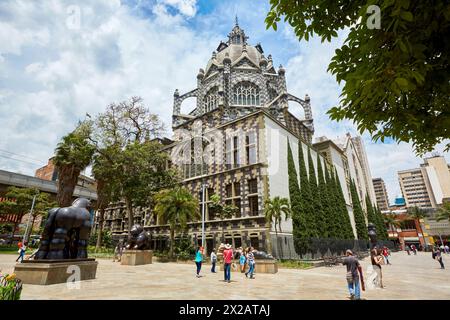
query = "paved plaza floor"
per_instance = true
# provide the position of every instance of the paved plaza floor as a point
(409, 277)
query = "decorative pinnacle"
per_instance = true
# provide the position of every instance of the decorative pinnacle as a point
(237, 23)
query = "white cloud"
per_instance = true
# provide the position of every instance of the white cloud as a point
(186, 7)
(51, 75)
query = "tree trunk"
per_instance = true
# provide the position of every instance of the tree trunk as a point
(100, 229)
(67, 181)
(172, 239)
(278, 244)
(129, 206)
(269, 241)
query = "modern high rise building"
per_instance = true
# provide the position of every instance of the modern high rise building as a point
(381, 194)
(428, 186)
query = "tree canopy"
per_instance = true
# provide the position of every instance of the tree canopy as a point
(396, 73)
(72, 155)
(176, 207)
(129, 158)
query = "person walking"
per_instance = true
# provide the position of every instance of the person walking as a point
(354, 273)
(385, 253)
(242, 260)
(438, 256)
(213, 260)
(446, 249)
(407, 249)
(227, 259)
(117, 253)
(251, 263)
(377, 260)
(22, 250)
(198, 260)
(413, 248)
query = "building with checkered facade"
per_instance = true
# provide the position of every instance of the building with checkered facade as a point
(234, 142)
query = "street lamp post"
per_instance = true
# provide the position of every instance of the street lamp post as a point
(203, 212)
(25, 235)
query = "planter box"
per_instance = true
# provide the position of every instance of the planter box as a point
(136, 257)
(45, 272)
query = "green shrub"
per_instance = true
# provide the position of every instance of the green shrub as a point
(10, 287)
(107, 240)
(294, 264)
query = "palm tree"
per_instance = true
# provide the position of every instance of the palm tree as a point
(222, 211)
(416, 214)
(176, 207)
(274, 209)
(443, 213)
(391, 221)
(72, 155)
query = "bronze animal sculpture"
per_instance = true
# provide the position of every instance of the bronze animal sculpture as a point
(140, 240)
(66, 232)
(262, 255)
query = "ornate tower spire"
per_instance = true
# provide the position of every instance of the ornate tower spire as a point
(237, 35)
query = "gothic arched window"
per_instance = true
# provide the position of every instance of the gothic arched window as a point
(246, 93)
(211, 99)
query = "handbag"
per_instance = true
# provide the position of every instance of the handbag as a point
(234, 266)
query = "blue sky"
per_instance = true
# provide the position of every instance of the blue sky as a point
(54, 70)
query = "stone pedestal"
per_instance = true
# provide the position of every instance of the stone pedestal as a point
(45, 272)
(261, 266)
(136, 257)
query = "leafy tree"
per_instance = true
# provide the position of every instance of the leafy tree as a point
(274, 210)
(370, 212)
(443, 213)
(298, 219)
(103, 174)
(374, 216)
(322, 196)
(360, 223)
(316, 200)
(396, 74)
(176, 207)
(21, 200)
(346, 225)
(133, 163)
(72, 155)
(221, 211)
(381, 226)
(306, 197)
(333, 220)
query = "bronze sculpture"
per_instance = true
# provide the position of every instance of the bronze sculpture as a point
(372, 235)
(140, 240)
(66, 232)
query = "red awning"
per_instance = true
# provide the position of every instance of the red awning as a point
(9, 218)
